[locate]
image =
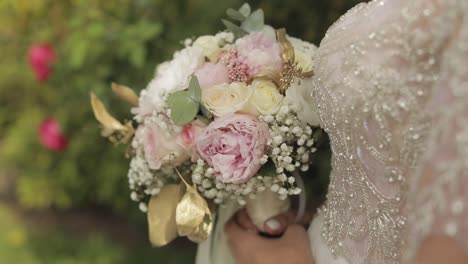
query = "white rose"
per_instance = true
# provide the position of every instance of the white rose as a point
(171, 76)
(265, 99)
(226, 98)
(209, 46)
(301, 97)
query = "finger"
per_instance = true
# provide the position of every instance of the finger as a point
(243, 219)
(236, 234)
(240, 241)
(277, 225)
(297, 232)
(298, 236)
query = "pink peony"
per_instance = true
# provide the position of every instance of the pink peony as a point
(50, 135)
(160, 147)
(41, 57)
(233, 145)
(261, 52)
(212, 74)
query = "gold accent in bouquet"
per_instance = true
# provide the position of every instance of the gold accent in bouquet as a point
(112, 129)
(178, 210)
(290, 66)
(193, 216)
(162, 215)
(125, 93)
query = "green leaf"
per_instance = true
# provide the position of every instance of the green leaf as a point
(245, 10)
(137, 57)
(78, 56)
(185, 105)
(268, 169)
(254, 22)
(194, 89)
(235, 15)
(235, 29)
(183, 108)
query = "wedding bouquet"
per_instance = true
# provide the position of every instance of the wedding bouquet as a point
(225, 120)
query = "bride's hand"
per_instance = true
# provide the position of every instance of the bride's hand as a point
(276, 225)
(247, 246)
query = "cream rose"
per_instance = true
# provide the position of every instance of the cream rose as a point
(209, 45)
(226, 98)
(265, 99)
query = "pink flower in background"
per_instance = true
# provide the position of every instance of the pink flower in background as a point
(50, 135)
(41, 57)
(261, 52)
(211, 74)
(233, 145)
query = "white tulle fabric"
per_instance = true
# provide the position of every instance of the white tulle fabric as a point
(391, 87)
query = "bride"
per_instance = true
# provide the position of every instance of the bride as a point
(391, 87)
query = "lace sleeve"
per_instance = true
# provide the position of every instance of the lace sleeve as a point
(374, 77)
(439, 199)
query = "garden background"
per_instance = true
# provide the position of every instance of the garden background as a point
(69, 204)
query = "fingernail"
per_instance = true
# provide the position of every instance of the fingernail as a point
(273, 224)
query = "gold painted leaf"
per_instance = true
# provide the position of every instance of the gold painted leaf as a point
(203, 231)
(106, 119)
(287, 49)
(162, 214)
(193, 215)
(190, 211)
(270, 75)
(125, 93)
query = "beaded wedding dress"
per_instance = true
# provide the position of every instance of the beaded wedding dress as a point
(391, 88)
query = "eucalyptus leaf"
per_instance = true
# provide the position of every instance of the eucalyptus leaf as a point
(268, 169)
(255, 22)
(235, 15)
(183, 108)
(235, 29)
(245, 10)
(194, 89)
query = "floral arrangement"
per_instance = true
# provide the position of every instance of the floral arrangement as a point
(224, 120)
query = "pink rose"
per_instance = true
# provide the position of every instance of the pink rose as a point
(233, 145)
(189, 135)
(50, 135)
(261, 52)
(161, 147)
(41, 57)
(211, 74)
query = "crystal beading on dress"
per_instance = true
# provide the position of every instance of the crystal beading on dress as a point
(378, 72)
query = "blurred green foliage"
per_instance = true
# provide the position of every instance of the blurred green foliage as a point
(24, 244)
(100, 41)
